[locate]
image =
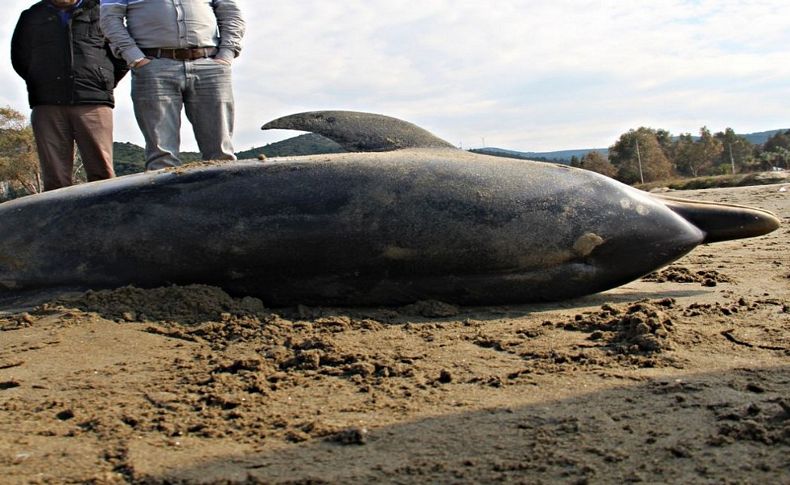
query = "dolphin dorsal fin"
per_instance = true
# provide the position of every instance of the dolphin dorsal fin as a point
(360, 132)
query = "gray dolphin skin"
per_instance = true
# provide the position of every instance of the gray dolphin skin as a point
(408, 218)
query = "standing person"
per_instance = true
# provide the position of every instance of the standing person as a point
(59, 50)
(180, 52)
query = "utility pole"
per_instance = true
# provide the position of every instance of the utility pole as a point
(732, 159)
(639, 159)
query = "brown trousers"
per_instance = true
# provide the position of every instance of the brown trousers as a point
(56, 128)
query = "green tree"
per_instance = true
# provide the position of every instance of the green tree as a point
(778, 140)
(638, 156)
(683, 154)
(778, 157)
(664, 140)
(696, 157)
(737, 152)
(776, 151)
(19, 167)
(710, 150)
(597, 163)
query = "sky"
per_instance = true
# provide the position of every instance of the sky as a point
(528, 75)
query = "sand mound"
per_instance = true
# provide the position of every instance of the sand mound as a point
(680, 274)
(184, 304)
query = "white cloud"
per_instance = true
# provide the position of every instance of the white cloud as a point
(529, 75)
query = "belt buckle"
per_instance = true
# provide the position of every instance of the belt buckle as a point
(182, 54)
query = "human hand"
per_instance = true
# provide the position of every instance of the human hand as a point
(141, 63)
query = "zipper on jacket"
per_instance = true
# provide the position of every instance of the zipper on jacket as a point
(70, 43)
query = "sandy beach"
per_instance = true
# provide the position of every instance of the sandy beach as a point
(680, 377)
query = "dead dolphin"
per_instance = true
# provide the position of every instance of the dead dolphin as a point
(410, 218)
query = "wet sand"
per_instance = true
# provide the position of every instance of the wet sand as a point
(682, 376)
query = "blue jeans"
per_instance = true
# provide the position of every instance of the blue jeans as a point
(203, 88)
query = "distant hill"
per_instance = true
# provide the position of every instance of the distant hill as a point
(307, 144)
(758, 138)
(562, 156)
(762, 136)
(130, 158)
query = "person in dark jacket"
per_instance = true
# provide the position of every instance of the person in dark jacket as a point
(59, 50)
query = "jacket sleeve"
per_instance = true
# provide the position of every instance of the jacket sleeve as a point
(119, 65)
(231, 28)
(20, 47)
(113, 13)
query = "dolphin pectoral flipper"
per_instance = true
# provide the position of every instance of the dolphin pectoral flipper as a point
(722, 222)
(360, 132)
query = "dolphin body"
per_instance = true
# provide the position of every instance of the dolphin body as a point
(409, 218)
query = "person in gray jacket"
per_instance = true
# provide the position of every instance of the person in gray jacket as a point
(180, 52)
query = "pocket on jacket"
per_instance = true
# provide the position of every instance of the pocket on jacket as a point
(91, 79)
(108, 77)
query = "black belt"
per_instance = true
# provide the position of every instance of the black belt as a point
(182, 54)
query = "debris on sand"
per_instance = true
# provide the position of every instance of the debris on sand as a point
(643, 326)
(681, 274)
(431, 309)
(767, 423)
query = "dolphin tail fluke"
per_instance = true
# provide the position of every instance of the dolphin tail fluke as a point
(723, 222)
(360, 132)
